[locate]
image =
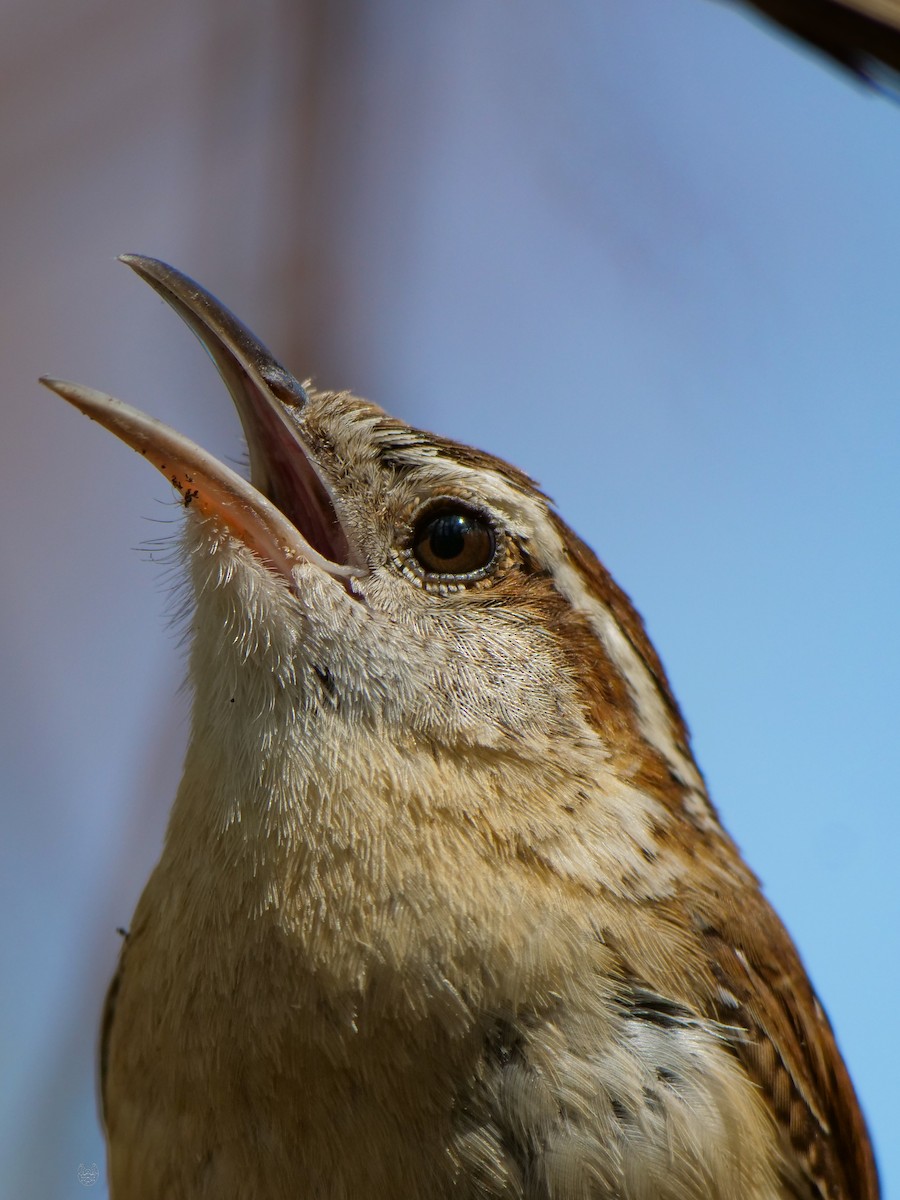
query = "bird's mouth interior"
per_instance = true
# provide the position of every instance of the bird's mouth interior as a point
(282, 470)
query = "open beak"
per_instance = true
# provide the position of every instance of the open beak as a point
(286, 513)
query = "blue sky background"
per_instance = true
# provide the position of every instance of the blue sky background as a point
(647, 251)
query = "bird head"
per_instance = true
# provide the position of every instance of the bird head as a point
(398, 643)
(418, 586)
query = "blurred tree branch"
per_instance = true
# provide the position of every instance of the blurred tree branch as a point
(859, 34)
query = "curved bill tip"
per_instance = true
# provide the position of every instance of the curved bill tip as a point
(233, 347)
(155, 272)
(75, 393)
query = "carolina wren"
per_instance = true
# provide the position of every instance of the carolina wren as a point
(443, 909)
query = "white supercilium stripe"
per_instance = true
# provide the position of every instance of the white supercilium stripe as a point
(654, 719)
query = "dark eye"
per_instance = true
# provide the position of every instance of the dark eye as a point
(453, 540)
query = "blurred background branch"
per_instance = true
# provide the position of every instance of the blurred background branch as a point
(860, 34)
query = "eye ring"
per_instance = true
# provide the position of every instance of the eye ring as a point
(453, 542)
